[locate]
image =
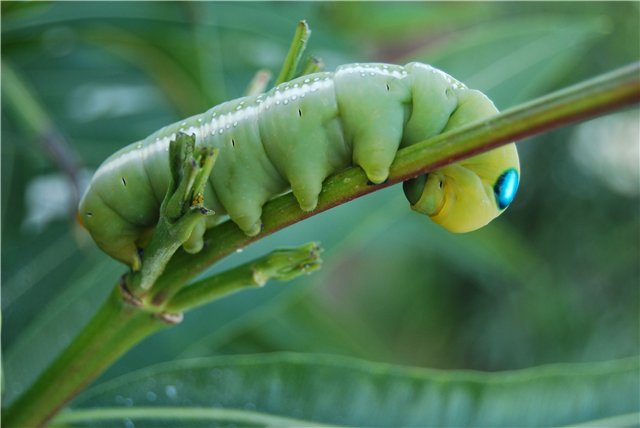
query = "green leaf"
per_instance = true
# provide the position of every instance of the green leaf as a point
(51, 329)
(515, 59)
(298, 389)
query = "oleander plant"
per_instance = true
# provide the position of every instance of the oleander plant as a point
(205, 214)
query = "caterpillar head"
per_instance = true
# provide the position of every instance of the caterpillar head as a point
(466, 196)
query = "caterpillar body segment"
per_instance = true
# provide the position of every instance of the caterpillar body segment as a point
(296, 135)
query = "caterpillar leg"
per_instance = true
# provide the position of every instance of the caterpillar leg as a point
(303, 137)
(195, 242)
(306, 188)
(312, 161)
(373, 103)
(248, 220)
(244, 177)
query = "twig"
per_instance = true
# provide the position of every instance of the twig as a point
(280, 265)
(298, 45)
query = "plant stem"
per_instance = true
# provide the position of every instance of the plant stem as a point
(114, 329)
(585, 100)
(298, 45)
(181, 212)
(313, 65)
(279, 265)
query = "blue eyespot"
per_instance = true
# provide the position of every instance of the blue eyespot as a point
(506, 187)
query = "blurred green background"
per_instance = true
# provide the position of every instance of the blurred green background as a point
(555, 279)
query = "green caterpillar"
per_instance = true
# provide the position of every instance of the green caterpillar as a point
(296, 135)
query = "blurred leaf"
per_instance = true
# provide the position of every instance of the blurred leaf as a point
(48, 331)
(390, 22)
(169, 74)
(513, 59)
(296, 323)
(274, 389)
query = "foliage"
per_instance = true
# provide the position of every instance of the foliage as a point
(554, 280)
(260, 390)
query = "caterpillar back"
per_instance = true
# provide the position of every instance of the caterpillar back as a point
(296, 135)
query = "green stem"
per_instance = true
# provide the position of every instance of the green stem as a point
(281, 265)
(585, 100)
(115, 328)
(163, 245)
(298, 45)
(313, 65)
(181, 212)
(212, 288)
